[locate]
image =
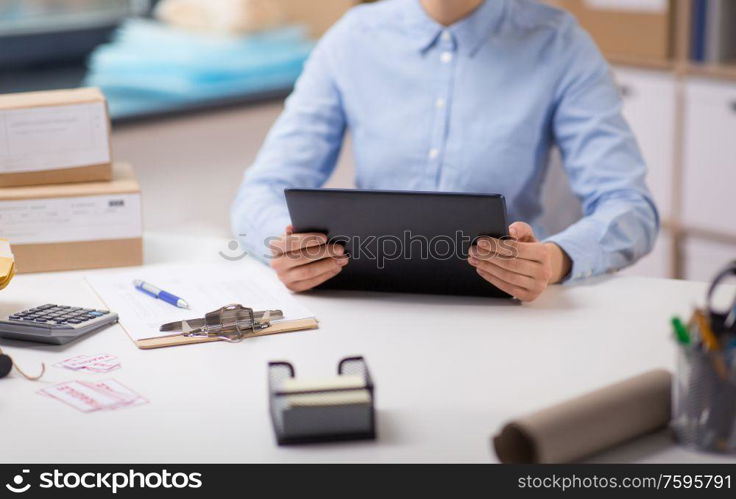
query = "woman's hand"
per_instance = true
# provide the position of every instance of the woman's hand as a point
(303, 261)
(522, 266)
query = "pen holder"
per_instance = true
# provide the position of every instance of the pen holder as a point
(322, 413)
(704, 401)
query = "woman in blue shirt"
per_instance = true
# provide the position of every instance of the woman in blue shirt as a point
(459, 95)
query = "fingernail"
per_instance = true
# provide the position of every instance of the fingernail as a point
(343, 261)
(472, 261)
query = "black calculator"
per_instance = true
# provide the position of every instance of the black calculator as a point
(57, 324)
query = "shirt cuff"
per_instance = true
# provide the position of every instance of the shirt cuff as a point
(581, 244)
(256, 241)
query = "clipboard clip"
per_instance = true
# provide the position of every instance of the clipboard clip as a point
(229, 323)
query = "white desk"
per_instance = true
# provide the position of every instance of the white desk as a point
(449, 372)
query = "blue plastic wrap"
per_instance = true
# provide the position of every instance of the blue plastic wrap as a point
(151, 67)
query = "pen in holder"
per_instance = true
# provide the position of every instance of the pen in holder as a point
(338, 408)
(704, 391)
(704, 402)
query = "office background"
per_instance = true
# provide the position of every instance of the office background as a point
(675, 62)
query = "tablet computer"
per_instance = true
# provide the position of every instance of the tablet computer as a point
(403, 241)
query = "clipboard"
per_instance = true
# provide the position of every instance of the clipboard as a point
(232, 323)
(264, 326)
(176, 340)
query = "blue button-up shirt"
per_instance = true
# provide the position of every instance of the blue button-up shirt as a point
(472, 107)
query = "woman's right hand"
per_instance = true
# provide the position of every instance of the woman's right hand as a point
(303, 261)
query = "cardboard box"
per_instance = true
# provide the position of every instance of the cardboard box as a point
(635, 29)
(318, 16)
(54, 137)
(74, 226)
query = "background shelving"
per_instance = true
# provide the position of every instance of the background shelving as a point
(684, 115)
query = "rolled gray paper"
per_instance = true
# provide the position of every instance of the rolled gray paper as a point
(590, 423)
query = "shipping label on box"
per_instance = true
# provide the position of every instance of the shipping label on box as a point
(67, 219)
(53, 137)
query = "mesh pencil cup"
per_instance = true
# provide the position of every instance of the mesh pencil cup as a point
(704, 401)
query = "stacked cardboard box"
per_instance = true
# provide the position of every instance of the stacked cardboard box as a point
(634, 29)
(317, 16)
(63, 203)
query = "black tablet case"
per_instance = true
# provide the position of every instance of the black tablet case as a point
(381, 221)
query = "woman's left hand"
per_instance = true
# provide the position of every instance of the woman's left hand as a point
(521, 266)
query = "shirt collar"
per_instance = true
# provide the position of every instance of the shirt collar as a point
(469, 32)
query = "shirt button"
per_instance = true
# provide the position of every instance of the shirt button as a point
(446, 57)
(433, 153)
(446, 37)
(439, 103)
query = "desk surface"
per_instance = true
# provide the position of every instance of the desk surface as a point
(449, 371)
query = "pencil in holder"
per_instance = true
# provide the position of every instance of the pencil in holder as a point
(704, 401)
(333, 409)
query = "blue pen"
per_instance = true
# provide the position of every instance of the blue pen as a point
(152, 290)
